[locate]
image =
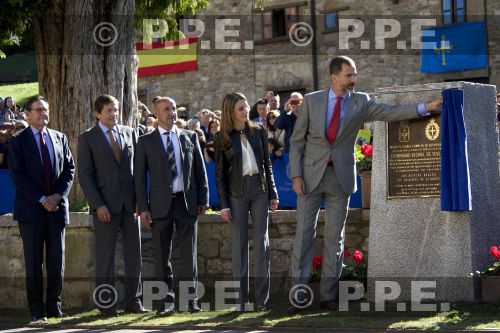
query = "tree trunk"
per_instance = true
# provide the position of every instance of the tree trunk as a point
(74, 69)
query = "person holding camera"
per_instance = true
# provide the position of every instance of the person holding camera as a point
(287, 118)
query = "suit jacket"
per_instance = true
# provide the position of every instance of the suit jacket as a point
(228, 169)
(27, 174)
(104, 180)
(151, 157)
(286, 122)
(309, 148)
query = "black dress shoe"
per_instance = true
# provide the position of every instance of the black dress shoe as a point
(136, 308)
(329, 305)
(168, 310)
(108, 313)
(294, 310)
(57, 315)
(193, 307)
(36, 319)
(262, 308)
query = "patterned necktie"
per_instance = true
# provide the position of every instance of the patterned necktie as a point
(334, 122)
(171, 156)
(46, 165)
(114, 145)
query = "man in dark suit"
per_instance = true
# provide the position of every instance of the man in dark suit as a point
(105, 171)
(42, 168)
(178, 193)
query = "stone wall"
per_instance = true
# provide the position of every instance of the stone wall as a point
(214, 254)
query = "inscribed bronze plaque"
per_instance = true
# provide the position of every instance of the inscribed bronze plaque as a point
(414, 157)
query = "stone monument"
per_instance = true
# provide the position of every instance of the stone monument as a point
(410, 237)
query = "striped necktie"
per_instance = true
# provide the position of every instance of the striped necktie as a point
(171, 155)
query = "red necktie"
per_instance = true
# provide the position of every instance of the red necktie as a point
(46, 164)
(331, 133)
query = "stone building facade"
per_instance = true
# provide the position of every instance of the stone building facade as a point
(276, 63)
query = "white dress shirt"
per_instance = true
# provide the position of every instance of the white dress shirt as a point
(178, 184)
(249, 163)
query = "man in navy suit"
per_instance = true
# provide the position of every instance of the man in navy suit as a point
(42, 168)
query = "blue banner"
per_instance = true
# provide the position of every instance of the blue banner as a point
(454, 47)
(455, 180)
(281, 169)
(7, 192)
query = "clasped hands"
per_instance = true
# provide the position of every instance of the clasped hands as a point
(51, 202)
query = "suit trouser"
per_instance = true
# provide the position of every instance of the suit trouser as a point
(187, 230)
(49, 233)
(105, 245)
(336, 204)
(257, 202)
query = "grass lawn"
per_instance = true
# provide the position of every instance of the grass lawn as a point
(20, 91)
(462, 316)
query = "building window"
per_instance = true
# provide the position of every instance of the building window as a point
(277, 22)
(331, 21)
(453, 11)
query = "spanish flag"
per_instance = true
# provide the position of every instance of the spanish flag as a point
(168, 57)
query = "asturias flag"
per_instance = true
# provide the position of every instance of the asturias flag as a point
(454, 47)
(169, 57)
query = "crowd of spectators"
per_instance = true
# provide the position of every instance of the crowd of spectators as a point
(277, 119)
(12, 120)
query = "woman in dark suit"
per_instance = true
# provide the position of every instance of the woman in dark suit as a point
(245, 184)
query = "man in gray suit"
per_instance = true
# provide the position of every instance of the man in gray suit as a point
(105, 171)
(177, 194)
(322, 166)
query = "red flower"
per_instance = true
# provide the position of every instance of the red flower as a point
(367, 150)
(317, 262)
(347, 254)
(357, 256)
(495, 251)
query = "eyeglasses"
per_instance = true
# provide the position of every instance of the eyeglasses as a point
(39, 110)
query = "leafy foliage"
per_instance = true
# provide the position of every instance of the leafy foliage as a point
(15, 19)
(16, 15)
